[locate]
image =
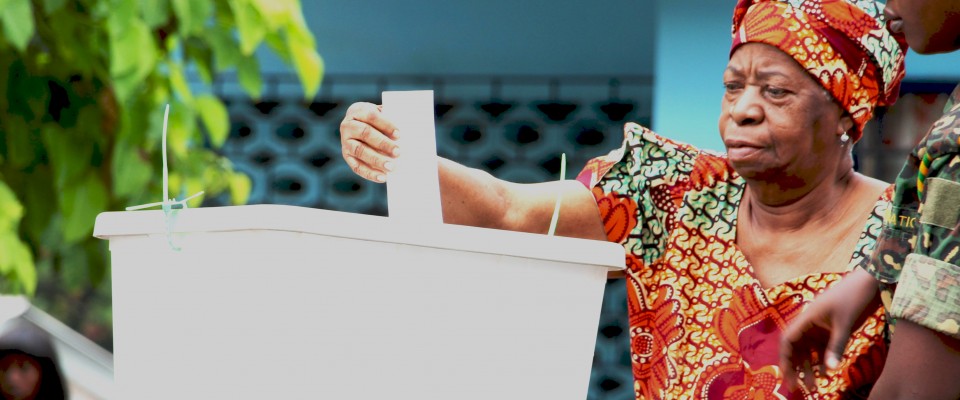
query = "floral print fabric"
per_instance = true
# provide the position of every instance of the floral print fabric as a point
(701, 325)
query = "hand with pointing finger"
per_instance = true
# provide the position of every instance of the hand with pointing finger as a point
(820, 333)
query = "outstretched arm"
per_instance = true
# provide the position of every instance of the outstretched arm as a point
(476, 198)
(470, 196)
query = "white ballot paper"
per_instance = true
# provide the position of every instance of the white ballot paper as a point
(413, 187)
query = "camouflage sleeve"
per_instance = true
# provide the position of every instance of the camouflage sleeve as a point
(928, 292)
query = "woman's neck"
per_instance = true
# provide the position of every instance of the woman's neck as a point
(817, 231)
(776, 207)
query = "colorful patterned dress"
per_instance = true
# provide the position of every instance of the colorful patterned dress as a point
(918, 254)
(701, 325)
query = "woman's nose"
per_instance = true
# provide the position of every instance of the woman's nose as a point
(746, 108)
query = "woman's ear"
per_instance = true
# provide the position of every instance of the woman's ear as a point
(844, 124)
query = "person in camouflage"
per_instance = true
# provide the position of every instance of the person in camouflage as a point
(916, 264)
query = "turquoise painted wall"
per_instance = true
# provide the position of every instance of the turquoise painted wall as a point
(483, 37)
(692, 44)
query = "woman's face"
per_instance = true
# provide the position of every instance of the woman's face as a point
(777, 123)
(21, 377)
(930, 26)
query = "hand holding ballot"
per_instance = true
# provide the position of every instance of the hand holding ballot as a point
(369, 141)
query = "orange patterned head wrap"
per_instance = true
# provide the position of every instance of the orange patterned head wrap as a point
(843, 44)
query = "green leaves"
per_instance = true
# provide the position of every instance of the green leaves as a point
(16, 260)
(248, 73)
(17, 19)
(81, 202)
(226, 52)
(130, 169)
(178, 81)
(20, 141)
(240, 185)
(285, 16)
(69, 156)
(10, 209)
(50, 6)
(259, 20)
(72, 158)
(133, 51)
(192, 15)
(155, 12)
(214, 117)
(308, 63)
(251, 26)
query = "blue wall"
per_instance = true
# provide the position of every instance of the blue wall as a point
(938, 67)
(483, 37)
(691, 48)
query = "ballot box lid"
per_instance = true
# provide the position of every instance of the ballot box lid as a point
(273, 217)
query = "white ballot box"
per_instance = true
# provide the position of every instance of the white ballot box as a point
(283, 302)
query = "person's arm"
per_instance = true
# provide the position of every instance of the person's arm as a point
(922, 364)
(820, 333)
(470, 196)
(476, 198)
(924, 360)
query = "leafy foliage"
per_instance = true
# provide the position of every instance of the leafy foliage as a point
(83, 84)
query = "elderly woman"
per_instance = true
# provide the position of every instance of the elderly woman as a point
(721, 250)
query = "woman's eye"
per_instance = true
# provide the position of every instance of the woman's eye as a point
(776, 92)
(732, 86)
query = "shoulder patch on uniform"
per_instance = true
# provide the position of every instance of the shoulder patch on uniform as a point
(941, 203)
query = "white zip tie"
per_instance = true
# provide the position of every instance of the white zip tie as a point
(556, 208)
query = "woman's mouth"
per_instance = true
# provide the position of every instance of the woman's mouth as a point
(894, 22)
(741, 152)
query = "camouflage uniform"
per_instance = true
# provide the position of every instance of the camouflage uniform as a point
(916, 259)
